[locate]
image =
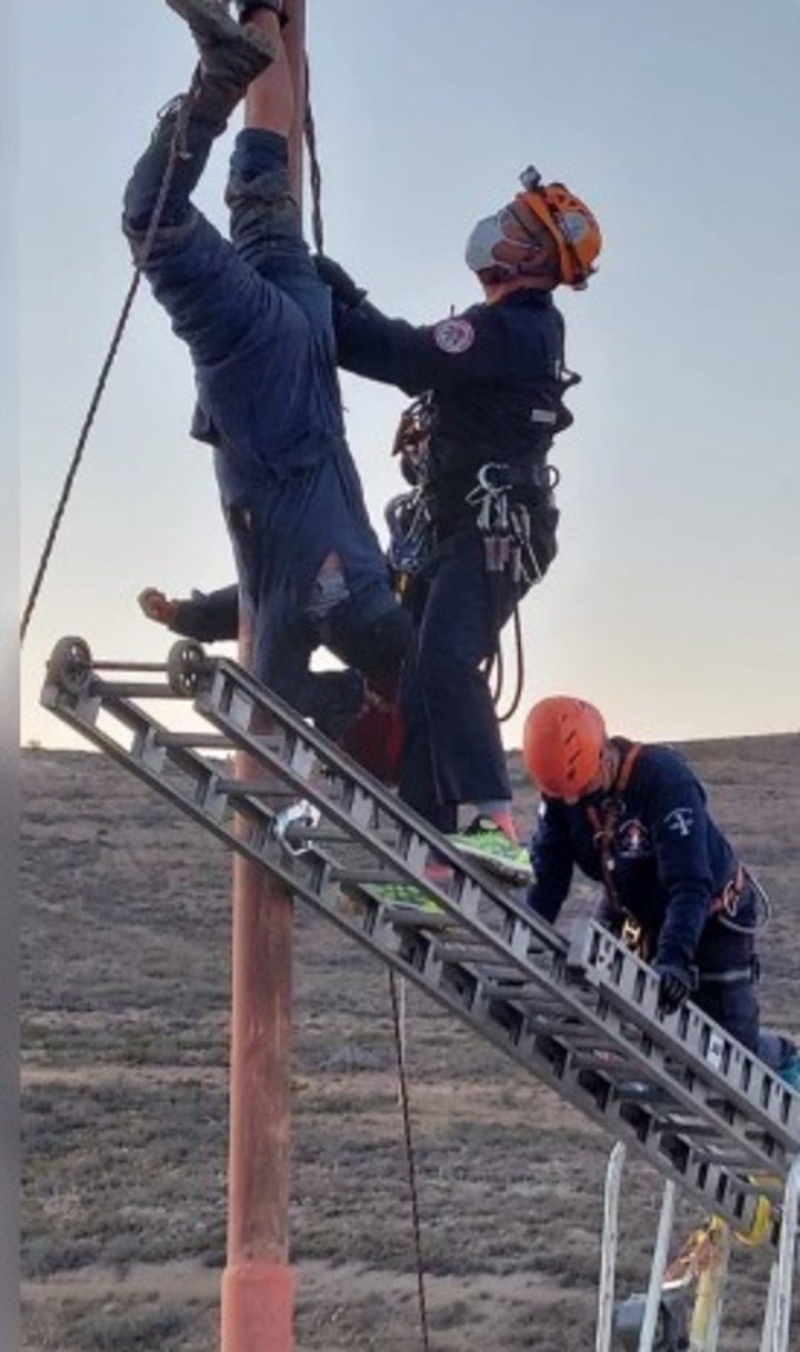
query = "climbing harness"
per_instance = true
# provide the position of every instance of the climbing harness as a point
(505, 527)
(604, 821)
(724, 907)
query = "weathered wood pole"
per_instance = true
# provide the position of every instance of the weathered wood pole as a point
(257, 1298)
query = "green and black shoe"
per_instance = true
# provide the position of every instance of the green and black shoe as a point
(486, 843)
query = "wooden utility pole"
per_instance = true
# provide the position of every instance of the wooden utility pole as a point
(257, 1304)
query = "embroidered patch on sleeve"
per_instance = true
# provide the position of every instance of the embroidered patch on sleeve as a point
(680, 819)
(454, 336)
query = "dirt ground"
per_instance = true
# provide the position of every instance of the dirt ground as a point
(125, 1007)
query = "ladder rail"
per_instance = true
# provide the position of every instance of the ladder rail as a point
(518, 983)
(218, 703)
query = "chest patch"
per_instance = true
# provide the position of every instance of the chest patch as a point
(633, 840)
(454, 336)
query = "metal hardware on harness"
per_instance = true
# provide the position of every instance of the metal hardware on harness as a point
(412, 439)
(410, 532)
(504, 525)
(582, 1017)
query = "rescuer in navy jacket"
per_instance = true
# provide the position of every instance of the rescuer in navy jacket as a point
(634, 818)
(258, 324)
(488, 387)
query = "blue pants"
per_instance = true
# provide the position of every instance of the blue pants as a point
(258, 325)
(453, 752)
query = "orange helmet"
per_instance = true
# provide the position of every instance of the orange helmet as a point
(569, 221)
(562, 745)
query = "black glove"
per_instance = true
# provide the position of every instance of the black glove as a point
(245, 9)
(675, 986)
(339, 281)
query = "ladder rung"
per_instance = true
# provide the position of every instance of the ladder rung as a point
(199, 740)
(254, 788)
(582, 1017)
(142, 690)
(476, 954)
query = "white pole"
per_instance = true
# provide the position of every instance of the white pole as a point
(657, 1270)
(608, 1252)
(785, 1264)
(767, 1331)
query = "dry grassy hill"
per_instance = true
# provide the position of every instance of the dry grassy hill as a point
(126, 989)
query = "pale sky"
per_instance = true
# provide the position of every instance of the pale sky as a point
(673, 603)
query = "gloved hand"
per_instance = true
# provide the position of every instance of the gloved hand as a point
(340, 282)
(675, 986)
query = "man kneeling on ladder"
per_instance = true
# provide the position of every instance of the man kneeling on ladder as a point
(634, 818)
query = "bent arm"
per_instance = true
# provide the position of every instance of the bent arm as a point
(553, 862)
(460, 351)
(680, 838)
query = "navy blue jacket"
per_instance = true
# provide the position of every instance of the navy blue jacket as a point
(669, 861)
(208, 616)
(495, 374)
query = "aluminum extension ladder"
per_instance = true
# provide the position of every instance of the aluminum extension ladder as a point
(582, 1016)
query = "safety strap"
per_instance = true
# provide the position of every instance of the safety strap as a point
(604, 824)
(727, 901)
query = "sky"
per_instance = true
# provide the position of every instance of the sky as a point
(673, 603)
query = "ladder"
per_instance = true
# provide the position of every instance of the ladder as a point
(581, 1014)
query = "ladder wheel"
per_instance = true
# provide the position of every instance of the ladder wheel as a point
(185, 664)
(70, 665)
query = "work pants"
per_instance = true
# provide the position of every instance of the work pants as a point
(453, 752)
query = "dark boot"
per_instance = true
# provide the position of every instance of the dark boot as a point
(230, 58)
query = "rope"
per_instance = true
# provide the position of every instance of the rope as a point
(315, 173)
(412, 1170)
(494, 671)
(105, 370)
(514, 705)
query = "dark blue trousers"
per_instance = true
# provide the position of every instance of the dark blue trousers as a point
(453, 752)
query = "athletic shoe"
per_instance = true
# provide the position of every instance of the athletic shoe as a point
(485, 842)
(409, 896)
(405, 896)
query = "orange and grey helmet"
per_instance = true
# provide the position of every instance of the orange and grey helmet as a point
(562, 746)
(569, 221)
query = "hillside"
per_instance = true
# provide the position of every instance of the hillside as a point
(125, 943)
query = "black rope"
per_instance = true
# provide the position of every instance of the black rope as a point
(315, 173)
(412, 1170)
(494, 670)
(94, 404)
(514, 705)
